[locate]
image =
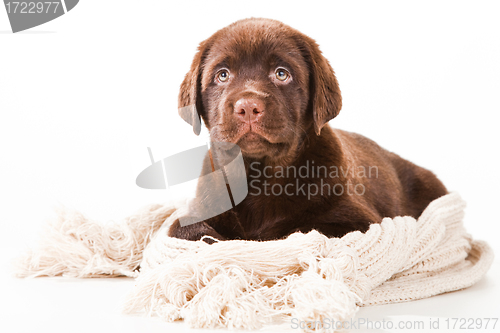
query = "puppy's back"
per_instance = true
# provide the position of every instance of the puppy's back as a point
(395, 185)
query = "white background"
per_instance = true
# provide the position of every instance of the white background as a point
(82, 97)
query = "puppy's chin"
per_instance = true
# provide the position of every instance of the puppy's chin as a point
(255, 146)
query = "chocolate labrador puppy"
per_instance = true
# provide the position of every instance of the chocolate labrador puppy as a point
(267, 88)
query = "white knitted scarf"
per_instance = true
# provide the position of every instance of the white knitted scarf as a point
(245, 284)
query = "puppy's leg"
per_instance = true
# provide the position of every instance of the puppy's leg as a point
(193, 232)
(421, 187)
(222, 227)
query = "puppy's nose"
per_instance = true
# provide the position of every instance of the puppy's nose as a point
(249, 110)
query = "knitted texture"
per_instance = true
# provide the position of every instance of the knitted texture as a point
(245, 284)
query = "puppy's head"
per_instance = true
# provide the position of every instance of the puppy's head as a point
(263, 86)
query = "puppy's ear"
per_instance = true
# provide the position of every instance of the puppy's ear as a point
(190, 91)
(324, 92)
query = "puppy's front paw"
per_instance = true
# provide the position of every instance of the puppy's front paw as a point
(194, 232)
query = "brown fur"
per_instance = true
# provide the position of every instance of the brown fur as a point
(287, 128)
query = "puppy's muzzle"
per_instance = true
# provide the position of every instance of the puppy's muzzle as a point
(249, 110)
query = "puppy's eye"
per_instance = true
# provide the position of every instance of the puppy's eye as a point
(282, 74)
(223, 75)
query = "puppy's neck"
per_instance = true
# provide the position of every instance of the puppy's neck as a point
(324, 149)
